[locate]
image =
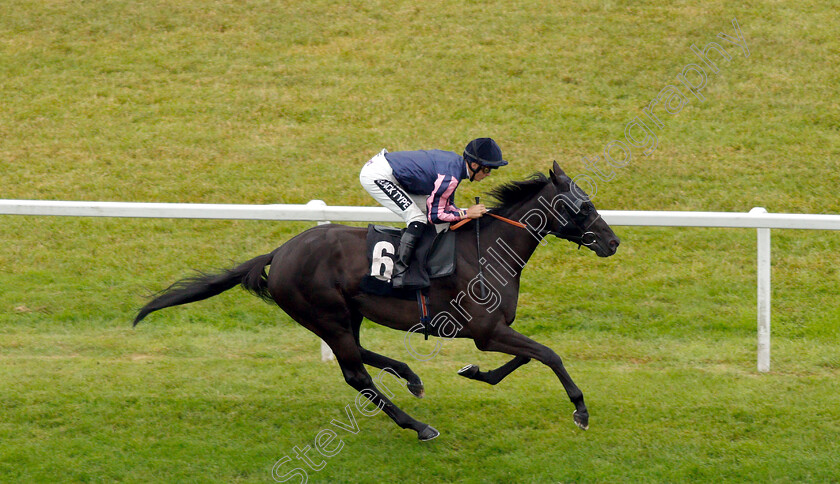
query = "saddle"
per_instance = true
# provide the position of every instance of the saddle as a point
(434, 257)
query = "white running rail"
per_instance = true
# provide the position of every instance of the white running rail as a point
(318, 211)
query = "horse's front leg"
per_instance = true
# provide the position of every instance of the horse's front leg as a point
(503, 339)
(493, 376)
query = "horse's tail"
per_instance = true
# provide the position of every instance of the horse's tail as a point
(250, 275)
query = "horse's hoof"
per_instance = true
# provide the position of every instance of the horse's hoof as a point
(427, 433)
(469, 371)
(582, 420)
(417, 389)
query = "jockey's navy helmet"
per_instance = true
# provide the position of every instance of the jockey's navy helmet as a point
(485, 152)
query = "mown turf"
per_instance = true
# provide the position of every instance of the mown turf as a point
(281, 102)
(195, 403)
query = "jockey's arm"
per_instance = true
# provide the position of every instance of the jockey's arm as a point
(439, 204)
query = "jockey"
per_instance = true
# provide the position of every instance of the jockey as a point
(419, 186)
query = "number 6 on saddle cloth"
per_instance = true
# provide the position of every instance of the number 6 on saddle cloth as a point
(433, 258)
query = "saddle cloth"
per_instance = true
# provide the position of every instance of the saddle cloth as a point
(434, 257)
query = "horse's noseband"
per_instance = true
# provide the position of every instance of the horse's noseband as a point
(578, 239)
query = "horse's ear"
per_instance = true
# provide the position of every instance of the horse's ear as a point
(558, 172)
(559, 177)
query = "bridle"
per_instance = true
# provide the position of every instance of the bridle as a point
(577, 239)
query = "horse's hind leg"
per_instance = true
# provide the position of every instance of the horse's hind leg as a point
(349, 357)
(415, 385)
(400, 369)
(323, 310)
(493, 376)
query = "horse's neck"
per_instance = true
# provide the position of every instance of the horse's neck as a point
(510, 246)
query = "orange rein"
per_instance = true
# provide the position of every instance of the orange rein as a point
(507, 220)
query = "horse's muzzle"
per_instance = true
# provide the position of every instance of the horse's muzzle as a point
(606, 248)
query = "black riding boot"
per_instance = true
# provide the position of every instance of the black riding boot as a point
(408, 242)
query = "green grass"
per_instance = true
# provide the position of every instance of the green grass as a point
(190, 402)
(281, 102)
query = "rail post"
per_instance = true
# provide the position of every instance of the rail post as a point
(763, 294)
(326, 351)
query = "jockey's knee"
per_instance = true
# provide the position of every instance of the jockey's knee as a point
(416, 228)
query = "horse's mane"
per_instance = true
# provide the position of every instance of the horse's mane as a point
(511, 194)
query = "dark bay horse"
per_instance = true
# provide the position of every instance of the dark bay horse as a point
(315, 278)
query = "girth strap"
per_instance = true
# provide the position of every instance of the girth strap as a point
(423, 305)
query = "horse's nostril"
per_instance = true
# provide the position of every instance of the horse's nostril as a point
(614, 243)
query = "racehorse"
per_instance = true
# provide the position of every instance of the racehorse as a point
(315, 278)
